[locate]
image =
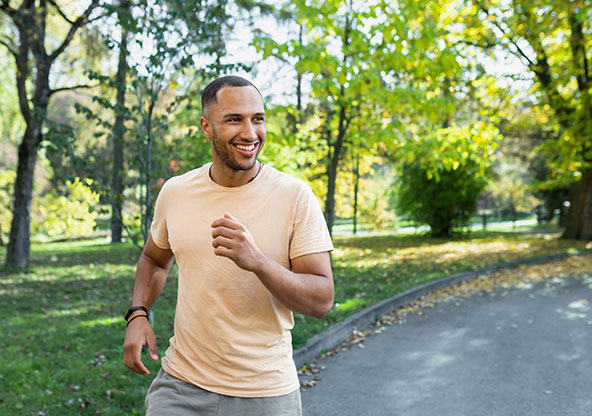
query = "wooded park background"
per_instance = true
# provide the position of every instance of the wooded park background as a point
(429, 112)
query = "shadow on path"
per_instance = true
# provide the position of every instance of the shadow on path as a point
(511, 352)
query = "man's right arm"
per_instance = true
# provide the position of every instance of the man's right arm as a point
(151, 274)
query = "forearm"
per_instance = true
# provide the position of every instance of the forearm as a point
(150, 279)
(305, 293)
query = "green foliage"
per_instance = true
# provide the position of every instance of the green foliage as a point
(512, 187)
(443, 174)
(7, 178)
(161, 127)
(524, 174)
(552, 40)
(445, 201)
(11, 122)
(70, 214)
(379, 73)
(377, 214)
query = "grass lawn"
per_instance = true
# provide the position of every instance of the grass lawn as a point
(62, 330)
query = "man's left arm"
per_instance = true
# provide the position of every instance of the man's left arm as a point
(306, 289)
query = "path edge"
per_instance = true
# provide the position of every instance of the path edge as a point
(341, 331)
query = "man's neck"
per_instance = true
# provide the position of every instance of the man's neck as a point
(228, 177)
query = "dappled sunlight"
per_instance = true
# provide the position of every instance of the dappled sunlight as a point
(478, 343)
(439, 360)
(429, 369)
(453, 254)
(570, 315)
(349, 304)
(575, 310)
(525, 286)
(580, 304)
(67, 312)
(102, 321)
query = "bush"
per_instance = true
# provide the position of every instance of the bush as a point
(442, 201)
(69, 214)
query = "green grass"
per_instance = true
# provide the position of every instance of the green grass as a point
(62, 330)
(368, 269)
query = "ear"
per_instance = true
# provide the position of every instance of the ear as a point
(206, 127)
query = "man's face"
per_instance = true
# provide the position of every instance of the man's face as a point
(235, 125)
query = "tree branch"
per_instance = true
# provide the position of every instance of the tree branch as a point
(75, 87)
(578, 50)
(5, 7)
(80, 21)
(520, 53)
(98, 17)
(474, 44)
(12, 51)
(60, 12)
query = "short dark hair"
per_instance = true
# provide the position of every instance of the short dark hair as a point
(208, 95)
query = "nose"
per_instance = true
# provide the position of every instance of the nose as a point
(248, 131)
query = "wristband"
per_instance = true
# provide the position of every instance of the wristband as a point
(133, 309)
(137, 316)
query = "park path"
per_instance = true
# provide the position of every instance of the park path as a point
(511, 352)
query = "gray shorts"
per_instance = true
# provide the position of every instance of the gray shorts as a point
(170, 396)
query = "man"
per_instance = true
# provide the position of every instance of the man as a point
(252, 247)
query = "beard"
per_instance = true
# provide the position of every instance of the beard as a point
(227, 158)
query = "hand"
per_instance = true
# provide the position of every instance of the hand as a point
(233, 240)
(139, 333)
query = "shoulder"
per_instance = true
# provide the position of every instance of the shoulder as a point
(280, 179)
(180, 181)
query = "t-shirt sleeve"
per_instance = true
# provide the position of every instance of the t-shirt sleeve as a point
(158, 229)
(309, 233)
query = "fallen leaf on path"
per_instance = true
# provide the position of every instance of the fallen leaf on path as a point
(519, 277)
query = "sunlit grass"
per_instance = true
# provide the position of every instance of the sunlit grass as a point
(62, 329)
(368, 269)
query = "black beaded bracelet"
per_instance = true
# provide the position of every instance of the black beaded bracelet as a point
(137, 316)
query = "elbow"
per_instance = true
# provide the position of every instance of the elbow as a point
(323, 309)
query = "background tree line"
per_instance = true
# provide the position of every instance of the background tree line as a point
(390, 107)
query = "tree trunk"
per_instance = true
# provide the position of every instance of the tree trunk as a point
(118, 131)
(337, 145)
(299, 76)
(333, 164)
(356, 187)
(330, 200)
(579, 217)
(17, 254)
(30, 21)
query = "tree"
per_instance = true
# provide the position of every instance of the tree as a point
(333, 49)
(182, 44)
(511, 192)
(379, 73)
(527, 130)
(124, 18)
(552, 39)
(443, 202)
(444, 173)
(26, 43)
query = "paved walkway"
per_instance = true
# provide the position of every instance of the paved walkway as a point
(518, 352)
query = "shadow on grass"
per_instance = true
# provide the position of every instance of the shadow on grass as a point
(71, 254)
(62, 334)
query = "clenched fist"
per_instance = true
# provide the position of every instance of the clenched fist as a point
(233, 240)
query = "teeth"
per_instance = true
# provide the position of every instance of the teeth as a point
(246, 148)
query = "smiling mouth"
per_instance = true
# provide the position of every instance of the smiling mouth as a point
(245, 147)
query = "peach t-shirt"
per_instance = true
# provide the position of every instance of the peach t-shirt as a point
(231, 335)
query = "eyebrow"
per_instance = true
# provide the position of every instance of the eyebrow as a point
(241, 115)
